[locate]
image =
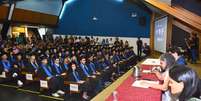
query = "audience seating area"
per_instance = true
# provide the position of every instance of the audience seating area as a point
(22, 64)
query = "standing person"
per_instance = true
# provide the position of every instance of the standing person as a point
(139, 47)
(193, 50)
(176, 52)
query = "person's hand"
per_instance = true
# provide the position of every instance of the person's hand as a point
(6, 70)
(98, 73)
(63, 74)
(15, 66)
(93, 76)
(81, 81)
(48, 78)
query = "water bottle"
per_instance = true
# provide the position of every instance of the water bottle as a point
(114, 96)
(136, 72)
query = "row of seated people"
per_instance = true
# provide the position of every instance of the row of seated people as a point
(90, 68)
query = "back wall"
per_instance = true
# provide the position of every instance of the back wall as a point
(103, 18)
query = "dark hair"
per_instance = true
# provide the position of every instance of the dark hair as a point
(70, 66)
(169, 59)
(188, 76)
(175, 50)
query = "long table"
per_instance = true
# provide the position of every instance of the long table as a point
(126, 92)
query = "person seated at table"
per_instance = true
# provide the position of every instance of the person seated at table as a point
(19, 66)
(5, 64)
(57, 68)
(8, 68)
(92, 66)
(56, 84)
(176, 52)
(11, 56)
(32, 65)
(74, 75)
(86, 73)
(65, 64)
(115, 59)
(146, 50)
(167, 61)
(184, 84)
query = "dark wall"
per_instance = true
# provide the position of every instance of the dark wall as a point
(191, 5)
(114, 19)
(178, 37)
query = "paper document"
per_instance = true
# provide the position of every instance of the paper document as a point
(151, 61)
(139, 83)
(146, 71)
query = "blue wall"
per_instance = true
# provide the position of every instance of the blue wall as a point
(114, 19)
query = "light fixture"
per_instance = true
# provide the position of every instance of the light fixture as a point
(119, 0)
(94, 18)
(133, 15)
(64, 7)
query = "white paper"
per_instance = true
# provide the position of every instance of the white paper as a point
(151, 61)
(74, 87)
(43, 84)
(146, 71)
(29, 77)
(3, 75)
(138, 83)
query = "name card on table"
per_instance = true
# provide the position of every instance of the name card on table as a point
(43, 84)
(3, 75)
(29, 77)
(151, 61)
(74, 87)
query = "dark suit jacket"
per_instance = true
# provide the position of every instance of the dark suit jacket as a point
(30, 68)
(1, 67)
(43, 74)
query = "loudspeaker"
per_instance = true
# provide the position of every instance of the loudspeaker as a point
(142, 21)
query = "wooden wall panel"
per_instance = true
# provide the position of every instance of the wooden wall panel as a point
(3, 13)
(181, 14)
(26, 16)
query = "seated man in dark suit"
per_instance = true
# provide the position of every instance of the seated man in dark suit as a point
(74, 75)
(19, 66)
(32, 65)
(5, 64)
(56, 84)
(58, 68)
(146, 50)
(87, 73)
(7, 67)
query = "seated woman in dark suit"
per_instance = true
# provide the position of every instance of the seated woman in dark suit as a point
(56, 84)
(184, 84)
(19, 66)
